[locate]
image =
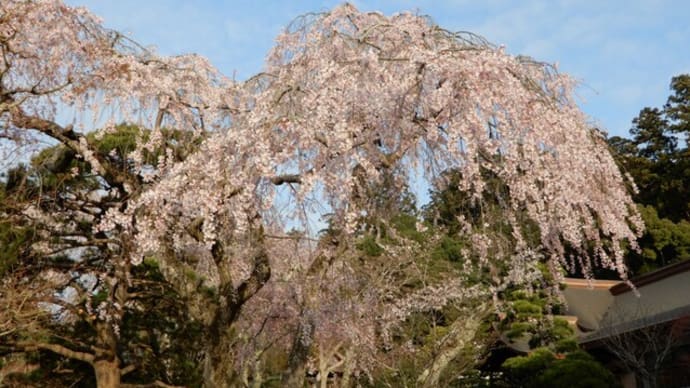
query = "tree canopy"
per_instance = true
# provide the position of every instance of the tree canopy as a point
(657, 157)
(201, 209)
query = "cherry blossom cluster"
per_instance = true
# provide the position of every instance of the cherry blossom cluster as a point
(348, 94)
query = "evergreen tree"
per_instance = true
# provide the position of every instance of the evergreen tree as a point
(658, 159)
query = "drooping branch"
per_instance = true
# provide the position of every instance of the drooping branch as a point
(76, 142)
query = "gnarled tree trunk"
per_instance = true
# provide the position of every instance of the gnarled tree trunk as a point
(218, 366)
(461, 333)
(107, 373)
(297, 361)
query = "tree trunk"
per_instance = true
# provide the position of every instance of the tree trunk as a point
(218, 366)
(324, 369)
(258, 380)
(294, 375)
(461, 333)
(348, 367)
(107, 373)
(105, 362)
(648, 379)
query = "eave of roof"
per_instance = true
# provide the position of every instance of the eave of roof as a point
(652, 277)
(628, 326)
(590, 283)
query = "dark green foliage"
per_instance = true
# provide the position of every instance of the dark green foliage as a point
(651, 135)
(448, 202)
(40, 183)
(677, 107)
(382, 200)
(14, 243)
(369, 247)
(156, 334)
(123, 140)
(566, 345)
(527, 309)
(405, 225)
(390, 216)
(428, 331)
(15, 238)
(658, 158)
(449, 249)
(454, 211)
(578, 369)
(523, 368)
(118, 144)
(543, 368)
(528, 318)
(56, 159)
(518, 329)
(163, 340)
(441, 256)
(561, 331)
(15, 182)
(51, 174)
(660, 168)
(663, 242)
(80, 374)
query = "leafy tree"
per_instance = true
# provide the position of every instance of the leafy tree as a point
(543, 368)
(656, 157)
(651, 135)
(72, 267)
(663, 243)
(653, 157)
(677, 107)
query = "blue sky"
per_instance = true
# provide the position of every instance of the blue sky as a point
(623, 52)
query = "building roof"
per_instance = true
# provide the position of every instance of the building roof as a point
(588, 300)
(605, 308)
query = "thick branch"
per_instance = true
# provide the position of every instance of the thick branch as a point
(128, 369)
(235, 298)
(74, 141)
(461, 332)
(259, 276)
(57, 349)
(289, 178)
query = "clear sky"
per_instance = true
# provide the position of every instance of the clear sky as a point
(623, 52)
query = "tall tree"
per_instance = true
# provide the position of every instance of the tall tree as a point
(678, 105)
(66, 270)
(59, 58)
(652, 156)
(348, 98)
(657, 157)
